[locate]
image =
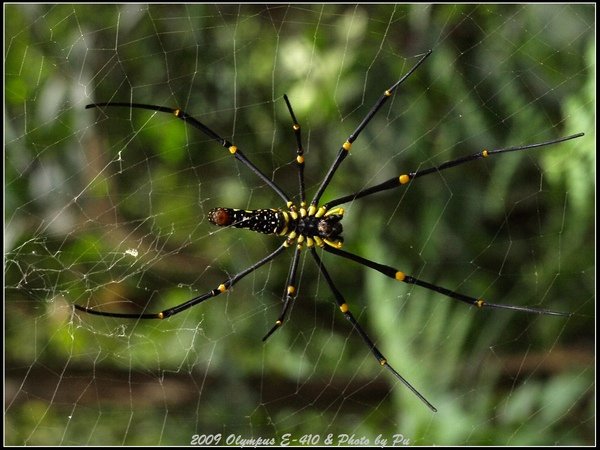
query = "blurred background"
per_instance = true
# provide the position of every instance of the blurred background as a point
(107, 208)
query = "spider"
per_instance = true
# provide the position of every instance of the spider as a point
(314, 226)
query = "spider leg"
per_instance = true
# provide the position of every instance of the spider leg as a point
(350, 317)
(401, 276)
(345, 148)
(299, 151)
(194, 301)
(180, 114)
(405, 178)
(290, 294)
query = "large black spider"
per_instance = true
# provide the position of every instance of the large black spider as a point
(317, 226)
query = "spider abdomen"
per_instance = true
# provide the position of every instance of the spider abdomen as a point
(267, 221)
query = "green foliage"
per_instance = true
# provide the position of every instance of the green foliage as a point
(108, 207)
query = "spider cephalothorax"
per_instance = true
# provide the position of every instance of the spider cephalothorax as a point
(314, 226)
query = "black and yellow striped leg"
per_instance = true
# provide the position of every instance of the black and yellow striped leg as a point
(345, 149)
(350, 317)
(290, 293)
(180, 114)
(405, 178)
(299, 151)
(199, 299)
(401, 276)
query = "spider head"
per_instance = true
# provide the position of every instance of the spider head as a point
(330, 228)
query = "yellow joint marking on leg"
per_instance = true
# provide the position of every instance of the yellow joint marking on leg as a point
(344, 308)
(222, 288)
(300, 239)
(387, 93)
(291, 289)
(278, 323)
(312, 209)
(160, 315)
(284, 231)
(334, 244)
(296, 127)
(485, 153)
(383, 362)
(289, 204)
(319, 241)
(177, 112)
(303, 211)
(347, 146)
(292, 235)
(232, 149)
(404, 179)
(294, 214)
(480, 303)
(400, 276)
(320, 212)
(300, 159)
(335, 211)
(310, 242)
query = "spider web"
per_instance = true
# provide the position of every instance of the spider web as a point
(108, 208)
